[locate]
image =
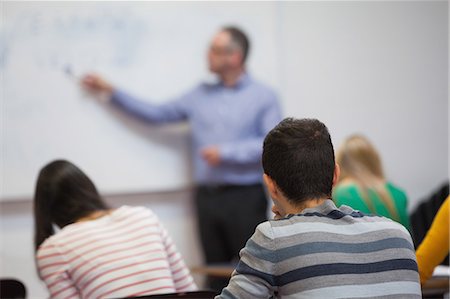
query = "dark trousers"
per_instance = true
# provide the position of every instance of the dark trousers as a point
(227, 218)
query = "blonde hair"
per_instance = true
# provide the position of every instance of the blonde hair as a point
(360, 162)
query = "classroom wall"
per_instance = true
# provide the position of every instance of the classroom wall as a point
(375, 68)
(378, 68)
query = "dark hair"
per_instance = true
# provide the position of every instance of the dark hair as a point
(240, 39)
(298, 155)
(63, 195)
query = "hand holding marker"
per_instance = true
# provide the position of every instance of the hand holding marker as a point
(91, 83)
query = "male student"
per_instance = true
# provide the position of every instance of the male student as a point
(229, 120)
(312, 249)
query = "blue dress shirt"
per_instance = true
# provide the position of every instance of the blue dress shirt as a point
(236, 119)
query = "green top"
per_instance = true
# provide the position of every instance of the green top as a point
(350, 195)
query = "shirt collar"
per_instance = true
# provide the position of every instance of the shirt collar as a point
(326, 207)
(244, 80)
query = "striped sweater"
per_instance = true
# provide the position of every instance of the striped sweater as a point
(126, 253)
(326, 252)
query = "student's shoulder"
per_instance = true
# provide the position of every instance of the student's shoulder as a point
(273, 228)
(136, 211)
(344, 192)
(345, 186)
(276, 228)
(50, 244)
(385, 226)
(55, 244)
(397, 230)
(265, 229)
(396, 191)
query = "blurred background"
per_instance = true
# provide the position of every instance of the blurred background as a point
(379, 68)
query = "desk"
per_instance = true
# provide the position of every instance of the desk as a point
(436, 287)
(223, 271)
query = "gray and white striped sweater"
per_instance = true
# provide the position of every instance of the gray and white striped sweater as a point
(326, 252)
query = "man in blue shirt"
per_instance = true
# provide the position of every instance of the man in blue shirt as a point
(229, 120)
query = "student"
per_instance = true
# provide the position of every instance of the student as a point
(435, 246)
(229, 119)
(99, 252)
(312, 249)
(362, 184)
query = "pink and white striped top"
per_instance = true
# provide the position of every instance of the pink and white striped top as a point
(125, 253)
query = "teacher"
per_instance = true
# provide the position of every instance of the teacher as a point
(229, 120)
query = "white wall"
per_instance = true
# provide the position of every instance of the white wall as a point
(378, 68)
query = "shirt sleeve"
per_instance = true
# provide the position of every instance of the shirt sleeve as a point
(172, 111)
(182, 278)
(255, 274)
(54, 271)
(249, 150)
(435, 246)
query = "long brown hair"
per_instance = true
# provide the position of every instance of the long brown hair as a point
(360, 162)
(63, 195)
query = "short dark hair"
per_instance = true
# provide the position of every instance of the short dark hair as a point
(240, 39)
(63, 195)
(298, 156)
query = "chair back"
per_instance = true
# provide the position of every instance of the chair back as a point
(181, 295)
(12, 289)
(423, 215)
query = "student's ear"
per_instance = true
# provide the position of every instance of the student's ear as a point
(271, 186)
(337, 173)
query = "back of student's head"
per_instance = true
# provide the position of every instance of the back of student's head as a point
(298, 156)
(359, 159)
(63, 195)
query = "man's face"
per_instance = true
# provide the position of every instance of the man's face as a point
(221, 53)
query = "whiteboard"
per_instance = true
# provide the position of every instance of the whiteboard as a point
(153, 50)
(378, 68)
